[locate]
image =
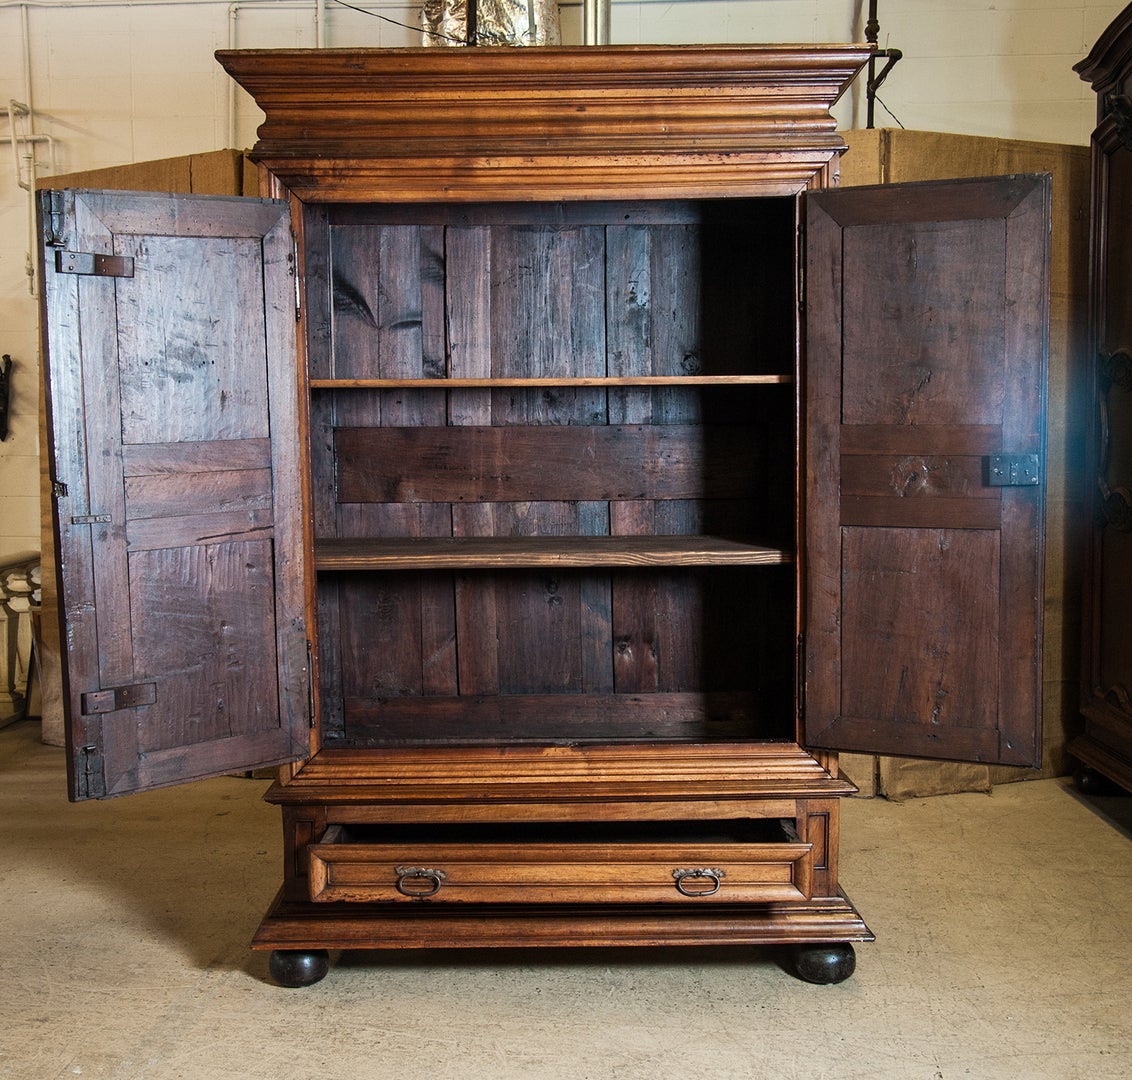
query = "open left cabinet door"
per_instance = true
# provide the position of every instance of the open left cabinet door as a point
(927, 315)
(169, 340)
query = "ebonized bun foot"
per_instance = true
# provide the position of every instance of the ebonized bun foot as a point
(294, 968)
(825, 962)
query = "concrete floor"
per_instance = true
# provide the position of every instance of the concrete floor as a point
(1003, 951)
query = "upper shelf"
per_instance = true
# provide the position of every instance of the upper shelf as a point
(535, 383)
(534, 124)
(510, 552)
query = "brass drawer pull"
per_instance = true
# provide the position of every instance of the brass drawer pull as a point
(406, 875)
(700, 874)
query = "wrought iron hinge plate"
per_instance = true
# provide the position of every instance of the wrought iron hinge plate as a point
(90, 781)
(294, 260)
(92, 265)
(310, 684)
(1014, 470)
(119, 697)
(55, 218)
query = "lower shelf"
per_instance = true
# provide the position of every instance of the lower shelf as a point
(308, 926)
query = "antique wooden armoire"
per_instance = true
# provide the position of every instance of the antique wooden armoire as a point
(552, 479)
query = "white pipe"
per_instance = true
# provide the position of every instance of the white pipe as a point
(595, 21)
(30, 262)
(19, 108)
(233, 11)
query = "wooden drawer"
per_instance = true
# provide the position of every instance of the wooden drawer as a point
(752, 862)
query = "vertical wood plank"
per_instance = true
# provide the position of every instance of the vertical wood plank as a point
(468, 253)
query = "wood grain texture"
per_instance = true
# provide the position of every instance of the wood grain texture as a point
(296, 925)
(491, 552)
(194, 582)
(407, 125)
(541, 463)
(924, 585)
(521, 866)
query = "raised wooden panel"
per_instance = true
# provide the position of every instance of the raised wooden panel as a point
(927, 339)
(182, 595)
(170, 351)
(926, 690)
(937, 376)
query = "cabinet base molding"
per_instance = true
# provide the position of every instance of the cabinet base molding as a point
(1110, 764)
(291, 925)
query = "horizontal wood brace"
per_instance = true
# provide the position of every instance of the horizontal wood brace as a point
(587, 463)
(951, 439)
(143, 459)
(927, 513)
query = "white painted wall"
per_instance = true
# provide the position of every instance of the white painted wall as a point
(113, 81)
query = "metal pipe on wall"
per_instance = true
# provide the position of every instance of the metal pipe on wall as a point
(595, 21)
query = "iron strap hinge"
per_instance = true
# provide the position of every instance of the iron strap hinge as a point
(1013, 470)
(294, 260)
(119, 697)
(90, 779)
(92, 265)
(311, 711)
(56, 217)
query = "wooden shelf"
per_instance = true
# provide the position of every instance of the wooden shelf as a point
(495, 553)
(536, 383)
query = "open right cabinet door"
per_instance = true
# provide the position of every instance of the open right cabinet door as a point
(927, 319)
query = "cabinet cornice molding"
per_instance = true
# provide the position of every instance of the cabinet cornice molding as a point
(546, 123)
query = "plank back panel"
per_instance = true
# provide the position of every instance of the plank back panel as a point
(554, 291)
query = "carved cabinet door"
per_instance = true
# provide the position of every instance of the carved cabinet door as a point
(927, 312)
(169, 328)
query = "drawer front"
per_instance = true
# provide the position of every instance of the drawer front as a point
(558, 872)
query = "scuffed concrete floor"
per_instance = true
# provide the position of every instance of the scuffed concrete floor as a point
(1003, 951)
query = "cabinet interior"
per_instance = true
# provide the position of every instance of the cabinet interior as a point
(553, 461)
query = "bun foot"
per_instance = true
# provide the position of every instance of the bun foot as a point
(291, 967)
(825, 963)
(1090, 782)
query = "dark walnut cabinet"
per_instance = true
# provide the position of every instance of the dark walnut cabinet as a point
(1105, 747)
(553, 480)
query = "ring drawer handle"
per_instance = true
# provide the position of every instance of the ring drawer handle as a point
(408, 874)
(700, 874)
